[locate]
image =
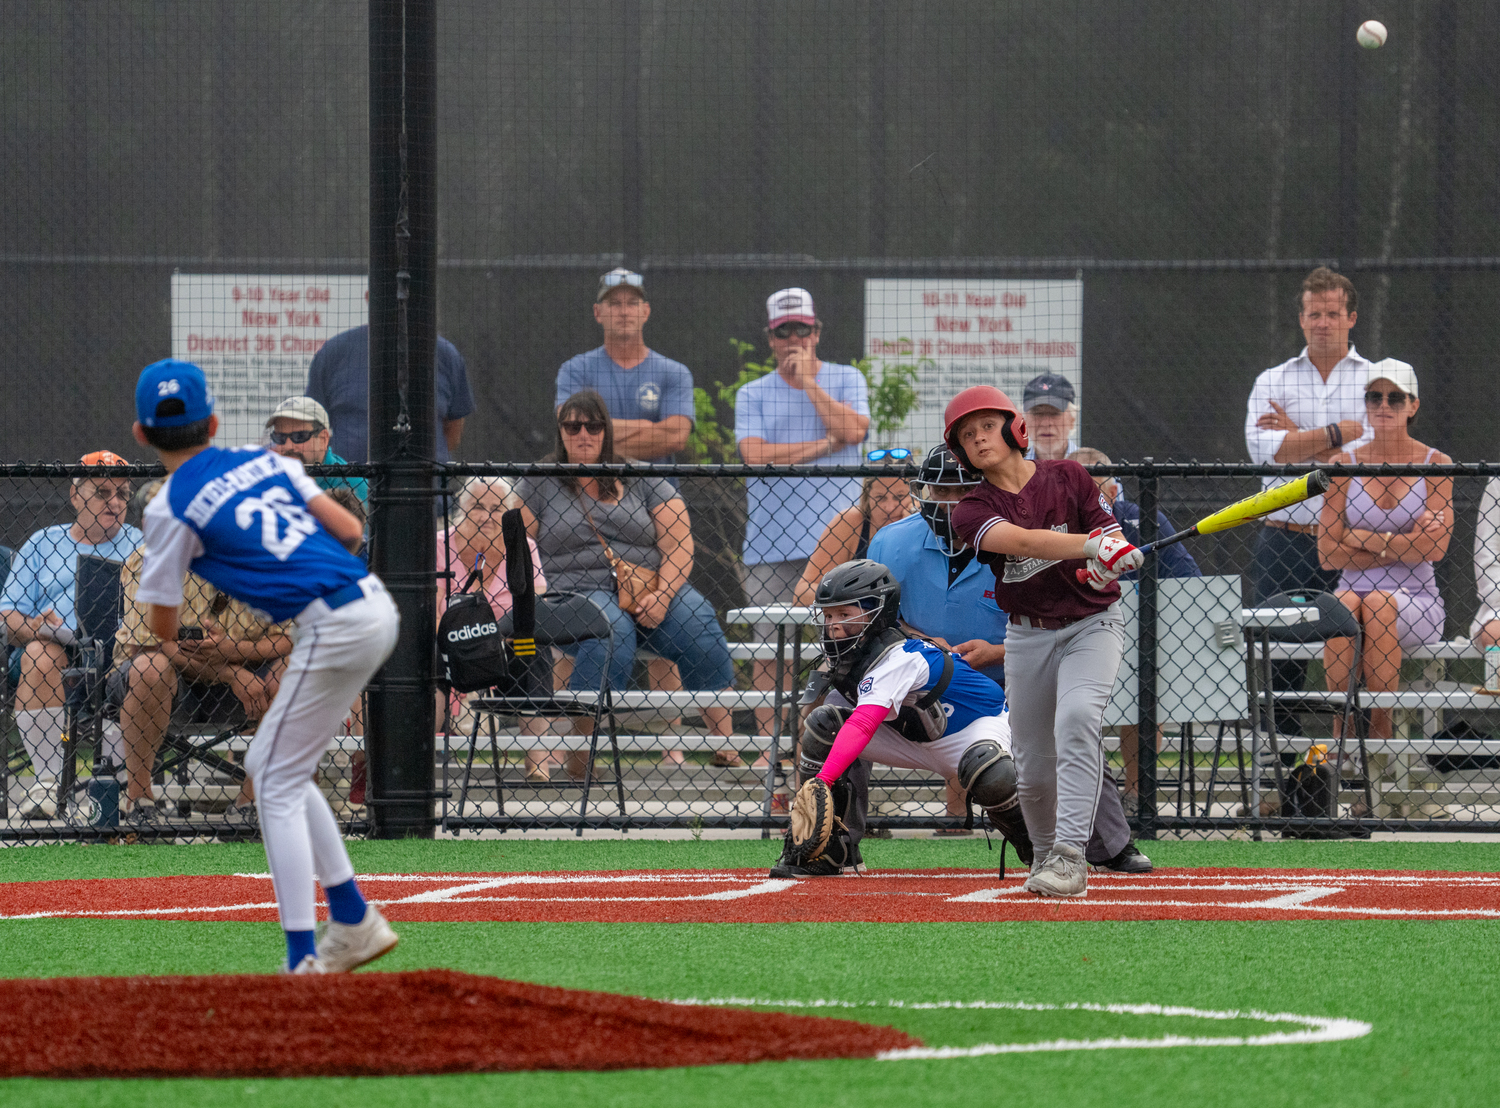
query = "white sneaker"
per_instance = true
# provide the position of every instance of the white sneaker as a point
(1064, 873)
(41, 800)
(309, 964)
(347, 946)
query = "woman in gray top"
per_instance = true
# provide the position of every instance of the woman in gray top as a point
(644, 521)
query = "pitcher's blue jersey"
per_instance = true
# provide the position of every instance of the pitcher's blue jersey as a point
(239, 519)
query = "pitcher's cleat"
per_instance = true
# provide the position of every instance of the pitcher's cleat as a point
(347, 946)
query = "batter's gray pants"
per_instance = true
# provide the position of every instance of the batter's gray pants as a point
(1058, 684)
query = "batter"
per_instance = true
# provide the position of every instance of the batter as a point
(1056, 552)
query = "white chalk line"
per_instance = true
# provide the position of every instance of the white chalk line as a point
(1314, 1029)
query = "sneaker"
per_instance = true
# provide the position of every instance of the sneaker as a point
(1063, 873)
(347, 946)
(1129, 860)
(1131, 802)
(244, 815)
(145, 816)
(41, 800)
(309, 964)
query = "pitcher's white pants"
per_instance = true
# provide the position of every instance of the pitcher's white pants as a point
(336, 653)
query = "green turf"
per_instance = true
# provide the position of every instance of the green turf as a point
(1428, 988)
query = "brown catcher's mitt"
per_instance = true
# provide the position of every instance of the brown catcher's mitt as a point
(813, 822)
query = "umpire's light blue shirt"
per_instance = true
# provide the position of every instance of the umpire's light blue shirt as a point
(964, 611)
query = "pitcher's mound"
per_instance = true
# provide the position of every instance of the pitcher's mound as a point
(428, 1021)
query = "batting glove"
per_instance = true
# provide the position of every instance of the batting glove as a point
(1096, 576)
(1112, 551)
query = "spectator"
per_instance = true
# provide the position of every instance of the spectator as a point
(807, 411)
(650, 396)
(644, 522)
(299, 428)
(1051, 416)
(1382, 534)
(476, 539)
(882, 500)
(226, 651)
(38, 608)
(1486, 627)
(947, 595)
(1172, 561)
(339, 379)
(1305, 409)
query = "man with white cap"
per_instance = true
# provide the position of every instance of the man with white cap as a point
(649, 397)
(808, 411)
(299, 428)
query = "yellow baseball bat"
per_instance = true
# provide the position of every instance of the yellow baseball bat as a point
(1262, 503)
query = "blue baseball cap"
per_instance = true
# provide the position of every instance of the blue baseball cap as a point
(172, 394)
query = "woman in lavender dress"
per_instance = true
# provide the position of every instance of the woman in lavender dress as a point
(1383, 534)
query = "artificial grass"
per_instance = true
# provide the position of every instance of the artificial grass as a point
(76, 861)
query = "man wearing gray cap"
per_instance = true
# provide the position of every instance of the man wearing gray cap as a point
(299, 429)
(1051, 416)
(649, 397)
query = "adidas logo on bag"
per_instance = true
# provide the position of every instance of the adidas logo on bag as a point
(473, 631)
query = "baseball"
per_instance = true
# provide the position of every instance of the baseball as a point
(1371, 34)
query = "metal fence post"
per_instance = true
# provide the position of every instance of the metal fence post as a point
(1147, 661)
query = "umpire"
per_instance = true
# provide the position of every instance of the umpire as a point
(949, 597)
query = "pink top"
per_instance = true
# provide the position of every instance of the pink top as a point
(496, 591)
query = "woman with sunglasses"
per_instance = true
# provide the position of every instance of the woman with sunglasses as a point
(1383, 535)
(882, 500)
(644, 521)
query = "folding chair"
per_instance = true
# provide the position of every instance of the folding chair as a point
(562, 618)
(1334, 622)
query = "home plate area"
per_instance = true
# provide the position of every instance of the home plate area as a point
(747, 896)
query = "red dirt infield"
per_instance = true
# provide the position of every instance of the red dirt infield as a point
(427, 1021)
(748, 896)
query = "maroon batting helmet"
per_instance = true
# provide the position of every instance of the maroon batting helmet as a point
(983, 398)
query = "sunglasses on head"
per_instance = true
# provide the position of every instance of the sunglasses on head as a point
(1395, 398)
(793, 330)
(281, 438)
(574, 426)
(614, 280)
(895, 454)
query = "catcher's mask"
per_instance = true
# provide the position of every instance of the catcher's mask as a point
(863, 583)
(941, 470)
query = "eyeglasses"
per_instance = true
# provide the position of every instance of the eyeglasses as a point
(281, 438)
(1395, 398)
(895, 454)
(574, 426)
(104, 496)
(793, 330)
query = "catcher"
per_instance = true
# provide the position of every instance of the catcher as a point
(898, 700)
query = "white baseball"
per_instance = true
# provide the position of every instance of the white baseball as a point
(1371, 34)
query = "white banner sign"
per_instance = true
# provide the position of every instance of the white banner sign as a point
(960, 332)
(254, 338)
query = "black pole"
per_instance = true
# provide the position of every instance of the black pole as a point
(630, 133)
(1145, 642)
(880, 73)
(1346, 53)
(1446, 384)
(403, 338)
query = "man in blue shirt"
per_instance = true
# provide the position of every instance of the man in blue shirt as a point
(41, 622)
(299, 428)
(808, 411)
(649, 397)
(339, 379)
(948, 596)
(253, 525)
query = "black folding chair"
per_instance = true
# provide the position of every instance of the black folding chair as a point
(1334, 622)
(98, 600)
(562, 618)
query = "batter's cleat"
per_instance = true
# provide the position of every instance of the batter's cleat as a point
(347, 946)
(41, 801)
(309, 964)
(1129, 860)
(1064, 873)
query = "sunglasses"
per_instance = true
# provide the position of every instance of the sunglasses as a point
(793, 330)
(574, 426)
(896, 454)
(1395, 398)
(281, 438)
(615, 280)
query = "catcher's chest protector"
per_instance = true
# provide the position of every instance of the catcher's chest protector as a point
(920, 718)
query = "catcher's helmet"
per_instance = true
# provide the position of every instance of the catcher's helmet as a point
(983, 398)
(942, 469)
(871, 586)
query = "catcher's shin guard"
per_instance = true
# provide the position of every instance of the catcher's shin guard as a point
(988, 774)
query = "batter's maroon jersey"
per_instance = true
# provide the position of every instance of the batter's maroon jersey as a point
(1061, 496)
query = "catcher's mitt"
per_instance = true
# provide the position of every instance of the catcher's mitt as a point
(814, 822)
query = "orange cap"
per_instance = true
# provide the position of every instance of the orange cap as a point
(103, 458)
